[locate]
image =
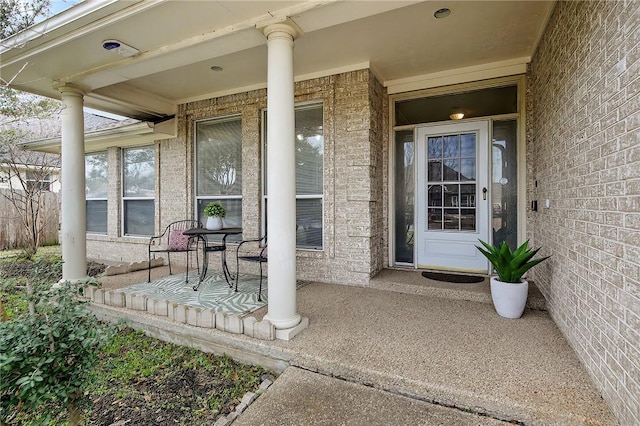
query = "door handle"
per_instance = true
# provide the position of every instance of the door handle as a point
(484, 194)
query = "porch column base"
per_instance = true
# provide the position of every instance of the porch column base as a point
(72, 281)
(290, 333)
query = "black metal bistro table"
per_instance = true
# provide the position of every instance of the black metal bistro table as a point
(201, 234)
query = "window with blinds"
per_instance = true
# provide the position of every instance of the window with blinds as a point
(309, 145)
(219, 169)
(95, 166)
(138, 191)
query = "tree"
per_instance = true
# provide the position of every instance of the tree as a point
(17, 15)
(24, 116)
(29, 175)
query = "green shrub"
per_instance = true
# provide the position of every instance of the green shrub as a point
(46, 355)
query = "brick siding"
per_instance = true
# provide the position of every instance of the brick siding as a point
(355, 133)
(584, 152)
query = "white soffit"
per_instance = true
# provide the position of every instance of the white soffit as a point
(342, 12)
(179, 42)
(457, 76)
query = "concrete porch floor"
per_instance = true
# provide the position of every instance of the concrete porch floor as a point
(449, 360)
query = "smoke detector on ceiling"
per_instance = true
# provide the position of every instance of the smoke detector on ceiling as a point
(120, 48)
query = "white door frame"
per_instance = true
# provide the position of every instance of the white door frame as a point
(453, 249)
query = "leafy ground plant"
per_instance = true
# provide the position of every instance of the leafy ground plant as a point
(47, 353)
(138, 380)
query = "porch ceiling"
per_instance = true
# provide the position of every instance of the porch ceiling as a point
(179, 42)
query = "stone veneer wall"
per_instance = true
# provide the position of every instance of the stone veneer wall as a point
(355, 131)
(584, 152)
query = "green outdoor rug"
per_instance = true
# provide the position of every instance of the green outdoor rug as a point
(214, 293)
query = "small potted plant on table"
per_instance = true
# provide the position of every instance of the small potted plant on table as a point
(508, 290)
(215, 212)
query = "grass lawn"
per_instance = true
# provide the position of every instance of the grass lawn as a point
(140, 380)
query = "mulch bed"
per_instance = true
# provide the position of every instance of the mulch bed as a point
(22, 268)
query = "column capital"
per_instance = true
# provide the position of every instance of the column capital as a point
(66, 88)
(286, 29)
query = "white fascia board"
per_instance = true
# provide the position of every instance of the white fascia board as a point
(135, 134)
(52, 41)
(53, 23)
(459, 75)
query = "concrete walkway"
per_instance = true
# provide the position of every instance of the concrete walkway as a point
(367, 349)
(300, 397)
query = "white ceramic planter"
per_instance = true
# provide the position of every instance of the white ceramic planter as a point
(509, 299)
(214, 223)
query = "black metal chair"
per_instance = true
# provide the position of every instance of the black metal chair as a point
(173, 241)
(256, 253)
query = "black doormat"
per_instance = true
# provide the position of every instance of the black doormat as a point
(453, 278)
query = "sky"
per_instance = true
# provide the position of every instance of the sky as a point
(58, 6)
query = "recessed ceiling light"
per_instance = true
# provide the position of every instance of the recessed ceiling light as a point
(442, 13)
(216, 68)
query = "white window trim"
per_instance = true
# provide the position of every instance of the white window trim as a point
(106, 232)
(124, 199)
(265, 197)
(196, 197)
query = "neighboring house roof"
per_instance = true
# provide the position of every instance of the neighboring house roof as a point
(39, 129)
(104, 132)
(30, 158)
(52, 127)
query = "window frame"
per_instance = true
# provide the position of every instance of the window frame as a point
(87, 200)
(218, 197)
(124, 199)
(35, 184)
(265, 196)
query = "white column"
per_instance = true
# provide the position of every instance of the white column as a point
(281, 177)
(73, 226)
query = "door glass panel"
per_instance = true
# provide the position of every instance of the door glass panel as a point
(451, 195)
(468, 145)
(452, 204)
(468, 220)
(451, 170)
(435, 196)
(467, 195)
(404, 195)
(451, 146)
(451, 219)
(467, 169)
(435, 171)
(435, 148)
(504, 194)
(435, 219)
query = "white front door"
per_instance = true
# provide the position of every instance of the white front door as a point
(452, 203)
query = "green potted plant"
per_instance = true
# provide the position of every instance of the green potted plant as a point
(215, 212)
(508, 290)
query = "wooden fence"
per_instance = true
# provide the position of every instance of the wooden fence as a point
(13, 233)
